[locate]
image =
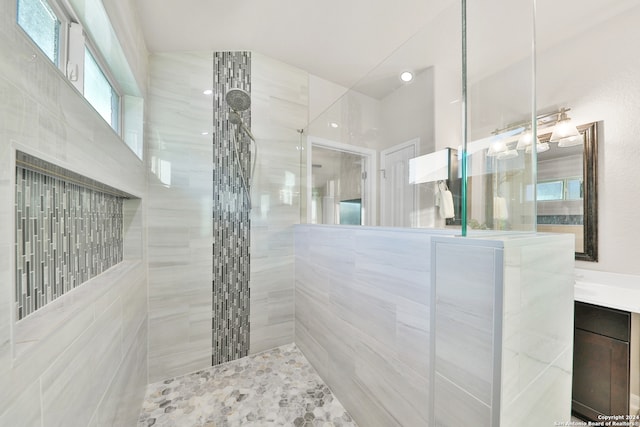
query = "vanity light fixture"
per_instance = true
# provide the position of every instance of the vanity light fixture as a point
(406, 76)
(497, 147)
(540, 148)
(526, 139)
(565, 132)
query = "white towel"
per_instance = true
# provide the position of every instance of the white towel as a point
(500, 208)
(446, 204)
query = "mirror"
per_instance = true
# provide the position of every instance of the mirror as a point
(567, 191)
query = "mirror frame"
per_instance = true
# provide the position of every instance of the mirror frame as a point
(589, 132)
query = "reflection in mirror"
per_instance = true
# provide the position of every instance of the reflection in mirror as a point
(567, 190)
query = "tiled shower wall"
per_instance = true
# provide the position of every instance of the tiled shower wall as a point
(66, 233)
(180, 187)
(279, 108)
(231, 209)
(199, 235)
(82, 359)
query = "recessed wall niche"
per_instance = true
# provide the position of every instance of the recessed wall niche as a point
(69, 229)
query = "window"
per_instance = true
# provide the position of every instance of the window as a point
(48, 24)
(40, 22)
(561, 189)
(574, 189)
(99, 92)
(551, 190)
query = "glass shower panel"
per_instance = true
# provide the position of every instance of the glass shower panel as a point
(398, 121)
(501, 152)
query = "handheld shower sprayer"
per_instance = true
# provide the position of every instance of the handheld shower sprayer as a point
(238, 101)
(236, 119)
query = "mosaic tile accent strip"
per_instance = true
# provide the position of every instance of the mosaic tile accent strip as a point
(561, 219)
(231, 222)
(65, 235)
(278, 387)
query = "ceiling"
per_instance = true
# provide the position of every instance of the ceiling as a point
(337, 40)
(344, 40)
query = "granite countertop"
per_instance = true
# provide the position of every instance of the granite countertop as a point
(614, 290)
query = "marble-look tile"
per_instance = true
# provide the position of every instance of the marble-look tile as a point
(26, 410)
(179, 209)
(277, 387)
(464, 318)
(73, 385)
(454, 407)
(315, 353)
(538, 314)
(280, 95)
(120, 405)
(551, 391)
(503, 329)
(356, 326)
(413, 335)
(133, 229)
(43, 115)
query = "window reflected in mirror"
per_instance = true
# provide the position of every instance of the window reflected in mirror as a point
(566, 191)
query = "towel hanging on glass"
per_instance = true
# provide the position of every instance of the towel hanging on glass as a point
(444, 200)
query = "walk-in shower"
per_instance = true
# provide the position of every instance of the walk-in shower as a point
(238, 101)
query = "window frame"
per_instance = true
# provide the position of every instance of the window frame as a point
(66, 38)
(565, 188)
(106, 72)
(63, 33)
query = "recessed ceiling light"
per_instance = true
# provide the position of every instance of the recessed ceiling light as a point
(406, 76)
(208, 92)
(204, 133)
(334, 125)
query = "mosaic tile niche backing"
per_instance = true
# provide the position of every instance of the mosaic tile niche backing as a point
(68, 230)
(231, 210)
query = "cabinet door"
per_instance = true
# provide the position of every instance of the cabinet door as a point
(600, 375)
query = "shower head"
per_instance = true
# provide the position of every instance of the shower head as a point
(238, 99)
(236, 119)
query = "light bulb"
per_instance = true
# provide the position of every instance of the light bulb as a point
(496, 147)
(564, 128)
(406, 76)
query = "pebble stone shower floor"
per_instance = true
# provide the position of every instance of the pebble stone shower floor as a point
(275, 388)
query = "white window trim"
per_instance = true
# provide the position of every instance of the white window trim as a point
(75, 56)
(72, 40)
(88, 43)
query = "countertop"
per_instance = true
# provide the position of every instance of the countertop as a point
(614, 290)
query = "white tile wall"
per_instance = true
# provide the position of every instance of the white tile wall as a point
(279, 95)
(538, 331)
(362, 317)
(43, 115)
(389, 316)
(503, 329)
(179, 160)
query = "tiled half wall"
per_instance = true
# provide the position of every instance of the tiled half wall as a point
(68, 230)
(231, 209)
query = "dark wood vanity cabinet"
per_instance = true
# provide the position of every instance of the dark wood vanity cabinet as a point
(601, 360)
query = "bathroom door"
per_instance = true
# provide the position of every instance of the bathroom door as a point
(397, 195)
(341, 187)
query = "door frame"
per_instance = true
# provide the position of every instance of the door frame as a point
(415, 143)
(370, 183)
